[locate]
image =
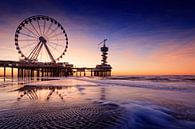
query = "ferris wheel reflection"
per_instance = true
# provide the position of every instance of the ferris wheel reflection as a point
(62, 93)
(47, 92)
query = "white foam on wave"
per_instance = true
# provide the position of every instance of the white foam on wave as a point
(142, 115)
(182, 86)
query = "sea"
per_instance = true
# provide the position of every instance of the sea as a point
(116, 102)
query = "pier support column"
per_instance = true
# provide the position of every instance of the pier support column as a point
(18, 72)
(47, 73)
(42, 72)
(38, 74)
(4, 72)
(12, 72)
(32, 73)
(91, 73)
(51, 73)
(22, 72)
(29, 73)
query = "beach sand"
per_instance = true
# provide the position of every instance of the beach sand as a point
(57, 115)
(96, 103)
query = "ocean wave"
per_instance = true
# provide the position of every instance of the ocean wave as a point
(147, 116)
(179, 86)
(162, 78)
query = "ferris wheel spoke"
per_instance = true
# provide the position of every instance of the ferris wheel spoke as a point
(48, 29)
(39, 27)
(28, 35)
(55, 35)
(44, 24)
(27, 45)
(54, 48)
(53, 31)
(30, 31)
(35, 29)
(26, 40)
(53, 43)
(57, 39)
(31, 49)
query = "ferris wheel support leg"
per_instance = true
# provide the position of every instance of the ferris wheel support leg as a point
(33, 51)
(36, 54)
(48, 51)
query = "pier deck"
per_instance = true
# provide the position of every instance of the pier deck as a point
(40, 69)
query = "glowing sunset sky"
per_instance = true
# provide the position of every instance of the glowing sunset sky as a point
(144, 36)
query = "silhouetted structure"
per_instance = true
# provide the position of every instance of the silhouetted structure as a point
(37, 69)
(104, 69)
(38, 35)
(42, 34)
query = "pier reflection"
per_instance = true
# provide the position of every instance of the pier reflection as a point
(47, 92)
(62, 93)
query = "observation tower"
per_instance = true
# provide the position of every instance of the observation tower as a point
(104, 69)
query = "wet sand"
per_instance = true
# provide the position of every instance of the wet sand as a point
(57, 115)
(85, 104)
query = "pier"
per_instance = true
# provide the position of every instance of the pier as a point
(31, 42)
(39, 69)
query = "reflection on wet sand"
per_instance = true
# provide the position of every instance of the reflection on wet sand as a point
(62, 92)
(31, 92)
(73, 103)
(59, 114)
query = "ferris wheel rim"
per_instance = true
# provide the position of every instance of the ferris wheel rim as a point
(35, 18)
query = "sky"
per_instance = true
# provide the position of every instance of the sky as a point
(144, 36)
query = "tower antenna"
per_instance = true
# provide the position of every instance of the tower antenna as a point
(104, 41)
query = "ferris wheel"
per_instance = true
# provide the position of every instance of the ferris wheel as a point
(41, 39)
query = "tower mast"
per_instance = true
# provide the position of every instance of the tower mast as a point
(104, 50)
(103, 69)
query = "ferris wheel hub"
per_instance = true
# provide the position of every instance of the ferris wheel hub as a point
(42, 39)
